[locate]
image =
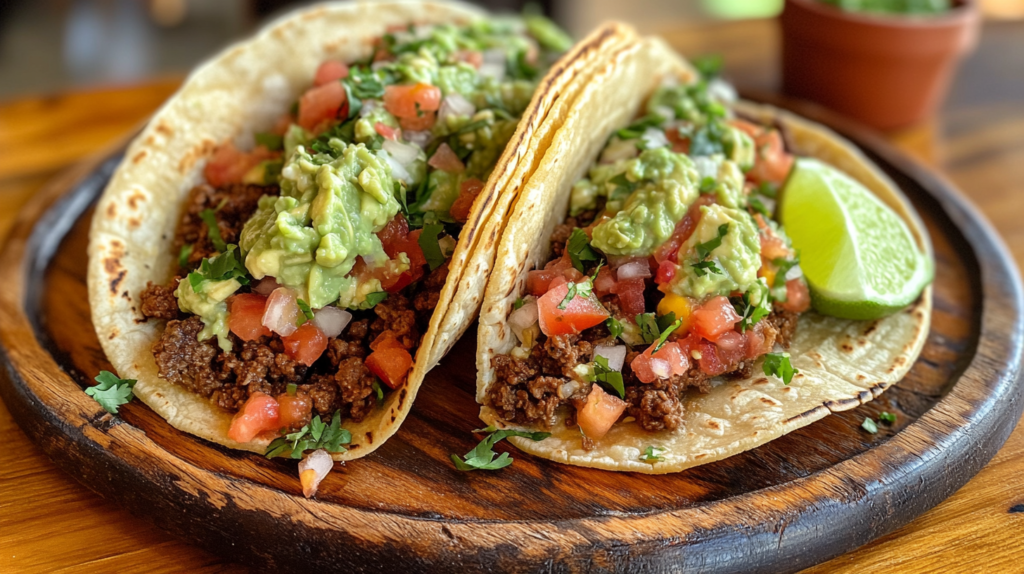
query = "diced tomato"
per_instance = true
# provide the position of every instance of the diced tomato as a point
(386, 340)
(538, 281)
(751, 129)
(468, 192)
(669, 251)
(322, 103)
(411, 248)
(387, 132)
(709, 361)
(471, 57)
(395, 231)
(679, 143)
(599, 413)
(675, 362)
(666, 272)
(713, 318)
(756, 344)
(296, 410)
(390, 362)
(245, 317)
(330, 71)
(604, 282)
(395, 238)
(412, 101)
(579, 314)
(631, 296)
(445, 159)
(772, 163)
(772, 246)
(798, 298)
(306, 344)
(260, 413)
(229, 165)
(422, 123)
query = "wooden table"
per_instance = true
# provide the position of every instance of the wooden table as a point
(51, 523)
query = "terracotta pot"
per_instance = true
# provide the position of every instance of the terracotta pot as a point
(888, 71)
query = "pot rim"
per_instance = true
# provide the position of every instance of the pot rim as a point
(961, 14)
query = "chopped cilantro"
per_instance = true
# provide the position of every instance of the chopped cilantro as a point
(373, 298)
(378, 390)
(291, 389)
(614, 327)
(709, 65)
(887, 417)
(209, 217)
(705, 249)
(665, 333)
(702, 268)
(482, 457)
(518, 68)
(665, 321)
(313, 436)
(623, 187)
(579, 249)
(637, 128)
(364, 83)
(184, 254)
(272, 142)
(227, 265)
(782, 268)
(607, 377)
(112, 391)
(768, 189)
(869, 425)
(750, 313)
(778, 364)
(429, 245)
(707, 184)
(652, 454)
(759, 206)
(519, 303)
(307, 313)
(582, 289)
(648, 327)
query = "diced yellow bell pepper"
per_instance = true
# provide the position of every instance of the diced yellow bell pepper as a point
(679, 305)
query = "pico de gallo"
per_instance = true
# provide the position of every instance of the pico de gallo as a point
(668, 273)
(311, 259)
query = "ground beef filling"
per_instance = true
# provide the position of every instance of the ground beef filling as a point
(530, 390)
(233, 205)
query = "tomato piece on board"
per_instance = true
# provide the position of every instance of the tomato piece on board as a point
(245, 316)
(412, 101)
(713, 318)
(260, 413)
(579, 314)
(463, 204)
(306, 344)
(330, 71)
(321, 103)
(390, 362)
(295, 410)
(599, 413)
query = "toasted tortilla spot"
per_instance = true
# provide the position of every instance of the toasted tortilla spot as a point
(140, 156)
(116, 281)
(136, 198)
(761, 381)
(369, 437)
(111, 210)
(163, 128)
(401, 397)
(204, 149)
(846, 347)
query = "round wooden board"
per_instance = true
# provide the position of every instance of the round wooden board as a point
(802, 499)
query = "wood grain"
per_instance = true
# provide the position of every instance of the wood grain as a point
(49, 522)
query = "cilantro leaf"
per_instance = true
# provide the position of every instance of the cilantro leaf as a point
(579, 249)
(768, 189)
(111, 391)
(227, 265)
(272, 142)
(582, 289)
(637, 128)
(519, 303)
(614, 327)
(759, 206)
(887, 417)
(307, 313)
(652, 454)
(377, 390)
(778, 364)
(313, 436)
(212, 229)
(648, 327)
(373, 298)
(704, 267)
(869, 425)
(707, 184)
(782, 268)
(750, 312)
(623, 187)
(665, 321)
(709, 65)
(705, 249)
(429, 245)
(664, 334)
(482, 456)
(291, 389)
(184, 254)
(607, 377)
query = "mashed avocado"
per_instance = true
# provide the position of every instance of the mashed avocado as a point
(209, 304)
(738, 257)
(328, 214)
(665, 185)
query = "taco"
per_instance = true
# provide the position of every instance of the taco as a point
(302, 231)
(647, 310)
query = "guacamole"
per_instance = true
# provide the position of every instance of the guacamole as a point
(738, 255)
(208, 302)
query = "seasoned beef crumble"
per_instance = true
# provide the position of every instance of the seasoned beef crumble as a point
(233, 205)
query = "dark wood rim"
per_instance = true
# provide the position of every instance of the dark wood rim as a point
(786, 530)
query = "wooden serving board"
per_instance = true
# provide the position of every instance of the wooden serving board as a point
(802, 499)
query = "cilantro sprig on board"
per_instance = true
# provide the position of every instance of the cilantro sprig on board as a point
(482, 457)
(315, 435)
(111, 391)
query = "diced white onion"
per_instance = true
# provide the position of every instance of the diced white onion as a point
(421, 138)
(794, 273)
(666, 112)
(493, 65)
(633, 270)
(266, 286)
(567, 388)
(318, 464)
(331, 320)
(616, 355)
(706, 167)
(719, 89)
(369, 106)
(654, 138)
(454, 105)
(523, 318)
(661, 368)
(398, 170)
(619, 149)
(282, 312)
(447, 245)
(403, 153)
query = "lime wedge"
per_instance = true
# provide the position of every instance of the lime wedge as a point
(860, 258)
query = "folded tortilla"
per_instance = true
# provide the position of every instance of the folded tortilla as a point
(240, 92)
(842, 363)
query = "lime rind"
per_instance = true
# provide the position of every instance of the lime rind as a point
(860, 258)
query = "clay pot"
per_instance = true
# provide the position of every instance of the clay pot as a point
(888, 71)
